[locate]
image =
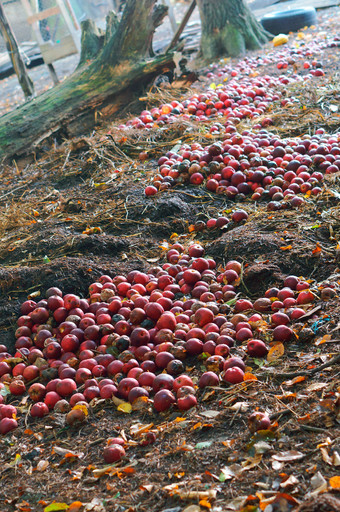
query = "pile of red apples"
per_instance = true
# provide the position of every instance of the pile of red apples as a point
(134, 335)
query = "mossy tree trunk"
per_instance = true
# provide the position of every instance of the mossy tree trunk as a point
(115, 65)
(228, 29)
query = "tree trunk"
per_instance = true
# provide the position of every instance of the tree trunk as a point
(13, 50)
(228, 29)
(122, 67)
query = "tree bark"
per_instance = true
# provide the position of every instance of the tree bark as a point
(121, 68)
(228, 29)
(13, 50)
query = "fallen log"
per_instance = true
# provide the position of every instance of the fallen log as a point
(120, 65)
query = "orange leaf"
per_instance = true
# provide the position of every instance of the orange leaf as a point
(296, 380)
(304, 419)
(249, 376)
(334, 482)
(286, 248)
(191, 228)
(75, 506)
(197, 425)
(129, 470)
(276, 352)
(317, 249)
(205, 503)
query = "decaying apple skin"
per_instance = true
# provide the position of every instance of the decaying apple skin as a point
(258, 421)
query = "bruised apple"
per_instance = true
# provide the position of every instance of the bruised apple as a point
(258, 421)
(186, 402)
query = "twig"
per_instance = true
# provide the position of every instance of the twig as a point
(280, 413)
(332, 362)
(313, 429)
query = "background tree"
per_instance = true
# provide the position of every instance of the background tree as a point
(228, 29)
(13, 50)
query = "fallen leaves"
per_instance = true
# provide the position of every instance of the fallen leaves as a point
(296, 380)
(275, 352)
(288, 456)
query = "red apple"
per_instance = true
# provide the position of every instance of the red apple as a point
(7, 425)
(257, 348)
(66, 387)
(233, 375)
(163, 399)
(125, 386)
(186, 402)
(39, 410)
(182, 380)
(208, 379)
(113, 453)
(234, 361)
(163, 381)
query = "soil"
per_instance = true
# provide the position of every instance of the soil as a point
(77, 212)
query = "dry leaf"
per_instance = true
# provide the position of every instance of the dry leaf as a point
(125, 407)
(210, 414)
(147, 488)
(325, 455)
(318, 482)
(192, 508)
(294, 381)
(276, 465)
(226, 474)
(275, 352)
(288, 456)
(66, 453)
(239, 407)
(290, 482)
(200, 495)
(42, 465)
(139, 428)
(336, 459)
(75, 506)
(317, 386)
(205, 503)
(252, 462)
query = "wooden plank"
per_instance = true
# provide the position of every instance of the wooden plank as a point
(54, 52)
(73, 16)
(42, 15)
(35, 24)
(73, 31)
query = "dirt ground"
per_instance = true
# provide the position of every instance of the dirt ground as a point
(205, 458)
